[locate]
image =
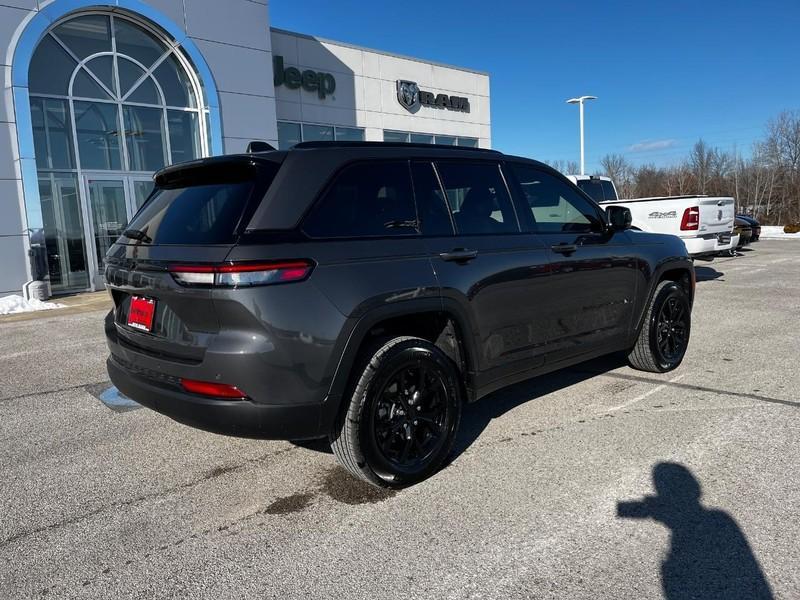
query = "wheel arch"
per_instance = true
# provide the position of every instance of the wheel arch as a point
(679, 270)
(441, 323)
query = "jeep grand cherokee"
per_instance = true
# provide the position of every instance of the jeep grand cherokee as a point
(364, 292)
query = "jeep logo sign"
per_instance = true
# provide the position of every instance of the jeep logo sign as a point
(311, 81)
(411, 98)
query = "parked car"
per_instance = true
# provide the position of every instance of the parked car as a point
(364, 291)
(744, 229)
(704, 223)
(754, 224)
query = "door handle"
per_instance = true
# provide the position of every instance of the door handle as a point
(564, 248)
(459, 255)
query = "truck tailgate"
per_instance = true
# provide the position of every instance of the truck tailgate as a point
(716, 214)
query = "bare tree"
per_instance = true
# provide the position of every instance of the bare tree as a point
(620, 171)
(701, 159)
(765, 184)
(567, 167)
(783, 147)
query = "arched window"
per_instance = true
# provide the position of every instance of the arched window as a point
(112, 100)
(109, 94)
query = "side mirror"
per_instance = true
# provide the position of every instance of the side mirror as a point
(618, 218)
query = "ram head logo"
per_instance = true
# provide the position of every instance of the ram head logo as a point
(408, 94)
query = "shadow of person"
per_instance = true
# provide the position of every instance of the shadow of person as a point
(709, 556)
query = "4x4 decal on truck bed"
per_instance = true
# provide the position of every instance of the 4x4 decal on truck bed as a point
(663, 215)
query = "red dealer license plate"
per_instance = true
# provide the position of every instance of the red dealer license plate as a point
(141, 313)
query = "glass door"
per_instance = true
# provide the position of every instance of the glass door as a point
(112, 200)
(108, 207)
(62, 234)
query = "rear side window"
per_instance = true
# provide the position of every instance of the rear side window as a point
(200, 211)
(554, 204)
(369, 199)
(478, 198)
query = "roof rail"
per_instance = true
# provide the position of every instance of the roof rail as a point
(352, 144)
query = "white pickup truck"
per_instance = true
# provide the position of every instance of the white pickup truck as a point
(704, 223)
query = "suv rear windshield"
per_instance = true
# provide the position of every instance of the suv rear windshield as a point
(599, 190)
(201, 210)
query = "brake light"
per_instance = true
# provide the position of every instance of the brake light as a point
(691, 219)
(244, 274)
(213, 390)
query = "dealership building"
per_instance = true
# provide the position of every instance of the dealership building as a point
(97, 96)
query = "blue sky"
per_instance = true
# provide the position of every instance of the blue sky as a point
(665, 73)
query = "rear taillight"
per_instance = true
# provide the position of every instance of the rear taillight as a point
(243, 274)
(691, 219)
(212, 389)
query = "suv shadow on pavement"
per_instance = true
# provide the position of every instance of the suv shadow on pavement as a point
(709, 556)
(707, 274)
(477, 416)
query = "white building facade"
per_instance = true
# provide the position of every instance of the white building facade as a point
(97, 96)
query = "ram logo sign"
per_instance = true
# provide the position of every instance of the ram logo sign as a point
(663, 215)
(408, 94)
(412, 98)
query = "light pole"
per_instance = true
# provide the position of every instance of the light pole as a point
(579, 101)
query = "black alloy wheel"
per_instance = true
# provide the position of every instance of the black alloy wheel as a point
(672, 329)
(664, 336)
(403, 414)
(410, 415)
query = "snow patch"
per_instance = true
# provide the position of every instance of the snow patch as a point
(17, 304)
(775, 232)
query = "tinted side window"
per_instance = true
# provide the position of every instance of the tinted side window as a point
(431, 204)
(478, 198)
(555, 205)
(367, 199)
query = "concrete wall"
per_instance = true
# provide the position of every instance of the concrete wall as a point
(13, 235)
(232, 35)
(366, 92)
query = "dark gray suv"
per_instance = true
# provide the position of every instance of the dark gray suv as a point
(364, 291)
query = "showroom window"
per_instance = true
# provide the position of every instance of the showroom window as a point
(112, 101)
(134, 105)
(291, 133)
(428, 138)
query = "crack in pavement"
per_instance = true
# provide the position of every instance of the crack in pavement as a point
(55, 391)
(214, 473)
(696, 388)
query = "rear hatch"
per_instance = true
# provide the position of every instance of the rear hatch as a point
(188, 226)
(716, 215)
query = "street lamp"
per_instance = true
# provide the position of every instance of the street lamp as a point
(580, 101)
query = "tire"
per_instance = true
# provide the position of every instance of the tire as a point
(654, 352)
(371, 439)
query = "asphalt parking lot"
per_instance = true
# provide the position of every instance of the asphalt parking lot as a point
(97, 504)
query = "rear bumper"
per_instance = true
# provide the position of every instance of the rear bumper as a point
(241, 418)
(711, 245)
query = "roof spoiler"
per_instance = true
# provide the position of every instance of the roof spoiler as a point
(258, 146)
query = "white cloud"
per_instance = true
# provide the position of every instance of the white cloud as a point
(648, 145)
